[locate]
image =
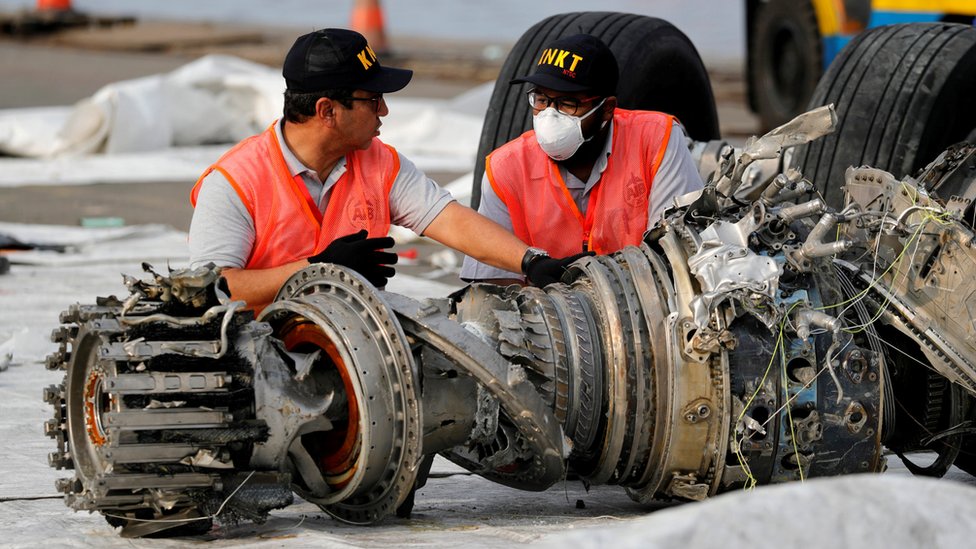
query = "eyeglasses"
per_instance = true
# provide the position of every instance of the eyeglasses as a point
(566, 105)
(375, 99)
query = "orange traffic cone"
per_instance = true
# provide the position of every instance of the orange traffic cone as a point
(53, 5)
(367, 19)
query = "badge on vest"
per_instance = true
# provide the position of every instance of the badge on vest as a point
(361, 213)
(635, 192)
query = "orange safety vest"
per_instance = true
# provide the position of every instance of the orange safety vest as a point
(542, 210)
(288, 224)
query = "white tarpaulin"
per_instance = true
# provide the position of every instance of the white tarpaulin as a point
(216, 99)
(165, 127)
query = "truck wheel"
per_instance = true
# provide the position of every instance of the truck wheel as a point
(903, 93)
(785, 60)
(660, 70)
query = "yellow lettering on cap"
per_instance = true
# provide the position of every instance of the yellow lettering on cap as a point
(366, 57)
(548, 56)
(557, 58)
(362, 59)
(576, 59)
(561, 59)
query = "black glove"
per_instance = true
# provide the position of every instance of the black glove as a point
(361, 254)
(544, 270)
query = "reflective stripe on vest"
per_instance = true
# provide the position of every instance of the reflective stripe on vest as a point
(543, 211)
(286, 226)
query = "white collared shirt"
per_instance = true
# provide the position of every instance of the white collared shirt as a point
(222, 230)
(677, 175)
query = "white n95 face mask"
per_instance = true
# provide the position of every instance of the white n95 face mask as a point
(560, 134)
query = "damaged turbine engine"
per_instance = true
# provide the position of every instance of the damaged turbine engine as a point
(744, 342)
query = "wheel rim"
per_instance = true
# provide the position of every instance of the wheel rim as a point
(371, 463)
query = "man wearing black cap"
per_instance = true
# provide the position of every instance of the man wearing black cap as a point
(319, 186)
(589, 176)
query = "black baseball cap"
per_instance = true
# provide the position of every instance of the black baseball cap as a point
(338, 59)
(580, 62)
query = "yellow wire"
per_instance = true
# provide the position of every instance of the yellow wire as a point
(930, 217)
(877, 280)
(750, 479)
(913, 240)
(789, 416)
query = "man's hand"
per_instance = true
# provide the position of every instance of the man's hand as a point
(544, 270)
(361, 254)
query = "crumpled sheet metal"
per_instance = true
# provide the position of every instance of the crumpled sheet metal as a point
(725, 267)
(802, 129)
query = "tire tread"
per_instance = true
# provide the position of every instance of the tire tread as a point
(887, 85)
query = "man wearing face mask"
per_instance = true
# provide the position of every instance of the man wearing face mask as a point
(589, 176)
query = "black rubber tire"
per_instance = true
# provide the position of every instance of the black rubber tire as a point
(903, 93)
(660, 69)
(966, 460)
(785, 60)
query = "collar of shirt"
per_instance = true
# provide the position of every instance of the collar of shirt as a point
(598, 168)
(309, 176)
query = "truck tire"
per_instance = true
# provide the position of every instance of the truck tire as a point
(785, 60)
(903, 93)
(660, 70)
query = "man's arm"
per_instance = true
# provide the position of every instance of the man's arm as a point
(419, 204)
(416, 202)
(474, 235)
(222, 232)
(258, 287)
(472, 270)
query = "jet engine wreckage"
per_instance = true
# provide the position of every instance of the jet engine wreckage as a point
(746, 341)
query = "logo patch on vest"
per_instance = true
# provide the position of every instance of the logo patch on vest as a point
(635, 193)
(361, 213)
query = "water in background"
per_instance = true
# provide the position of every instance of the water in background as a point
(716, 27)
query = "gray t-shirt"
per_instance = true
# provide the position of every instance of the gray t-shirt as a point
(222, 230)
(676, 176)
